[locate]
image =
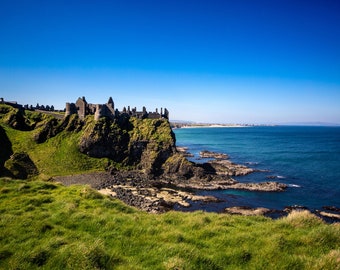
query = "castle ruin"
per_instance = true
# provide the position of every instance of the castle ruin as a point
(82, 108)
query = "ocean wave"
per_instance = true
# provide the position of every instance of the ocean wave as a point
(252, 163)
(276, 176)
(294, 185)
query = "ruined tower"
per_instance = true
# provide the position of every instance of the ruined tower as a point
(81, 105)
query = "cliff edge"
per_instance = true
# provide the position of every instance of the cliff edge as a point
(133, 159)
(124, 142)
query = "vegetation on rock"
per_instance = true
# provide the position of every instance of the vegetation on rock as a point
(21, 166)
(70, 145)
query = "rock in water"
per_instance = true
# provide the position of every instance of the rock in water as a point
(247, 211)
(208, 154)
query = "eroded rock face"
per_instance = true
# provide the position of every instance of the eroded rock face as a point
(20, 166)
(104, 138)
(47, 130)
(142, 143)
(51, 126)
(15, 118)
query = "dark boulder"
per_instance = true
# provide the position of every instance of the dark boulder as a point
(177, 166)
(6, 148)
(21, 166)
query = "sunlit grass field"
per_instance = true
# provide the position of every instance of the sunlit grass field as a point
(45, 225)
(49, 226)
(57, 156)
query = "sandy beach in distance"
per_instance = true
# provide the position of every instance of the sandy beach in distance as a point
(216, 126)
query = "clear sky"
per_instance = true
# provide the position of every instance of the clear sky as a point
(241, 61)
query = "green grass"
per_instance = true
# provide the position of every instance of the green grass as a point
(154, 129)
(57, 156)
(49, 226)
(60, 154)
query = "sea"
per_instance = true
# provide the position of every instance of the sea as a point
(306, 158)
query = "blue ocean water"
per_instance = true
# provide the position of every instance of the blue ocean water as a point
(305, 158)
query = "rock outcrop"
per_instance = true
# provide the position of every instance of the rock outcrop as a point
(20, 166)
(105, 138)
(184, 151)
(215, 155)
(15, 118)
(247, 211)
(226, 168)
(49, 126)
(144, 144)
(144, 168)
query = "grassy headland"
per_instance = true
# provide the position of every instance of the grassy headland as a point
(49, 226)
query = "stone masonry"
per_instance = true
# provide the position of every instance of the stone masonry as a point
(82, 108)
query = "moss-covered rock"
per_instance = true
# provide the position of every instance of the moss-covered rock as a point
(21, 166)
(104, 138)
(46, 129)
(50, 127)
(142, 143)
(152, 142)
(177, 165)
(15, 118)
(21, 119)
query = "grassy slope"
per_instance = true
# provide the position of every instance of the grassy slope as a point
(54, 227)
(57, 156)
(60, 155)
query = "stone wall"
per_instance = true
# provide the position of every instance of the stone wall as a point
(82, 108)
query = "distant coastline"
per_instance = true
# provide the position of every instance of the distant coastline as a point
(208, 125)
(215, 126)
(188, 124)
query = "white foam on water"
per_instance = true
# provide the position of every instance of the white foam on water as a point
(294, 185)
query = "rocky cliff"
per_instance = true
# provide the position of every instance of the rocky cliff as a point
(143, 144)
(136, 158)
(127, 142)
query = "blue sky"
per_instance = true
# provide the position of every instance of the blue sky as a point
(272, 61)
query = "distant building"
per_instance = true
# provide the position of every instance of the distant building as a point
(82, 108)
(11, 103)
